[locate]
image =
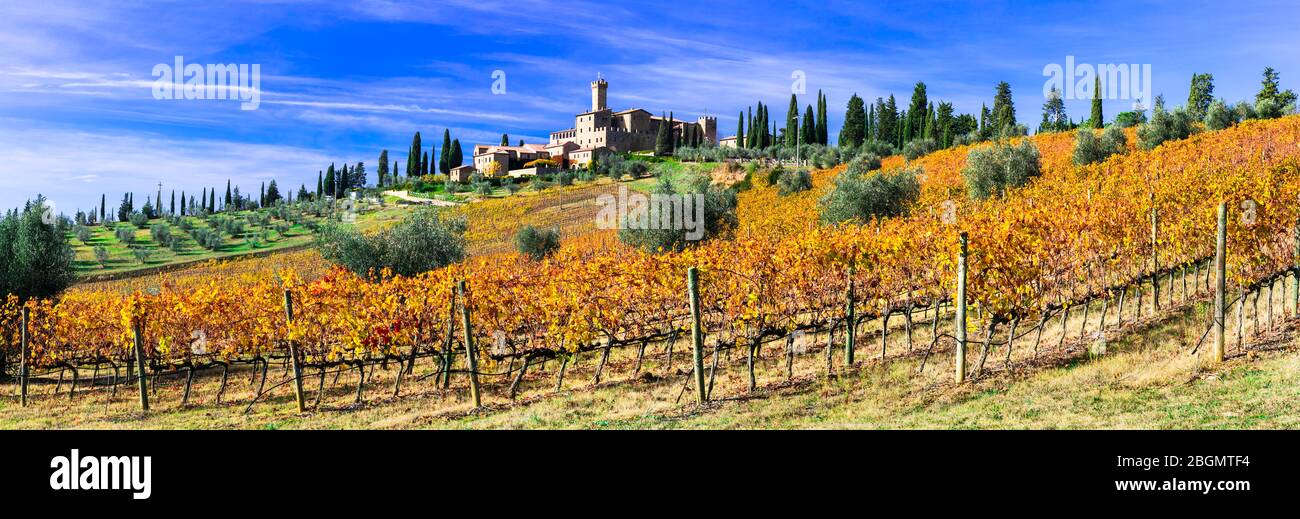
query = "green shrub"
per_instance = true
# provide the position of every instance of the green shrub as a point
(859, 196)
(718, 218)
(564, 178)
(878, 148)
(610, 165)
(990, 171)
(141, 254)
(36, 259)
(864, 162)
(140, 220)
(918, 148)
(124, 235)
(83, 234)
(795, 181)
(1166, 126)
(537, 244)
(1088, 149)
(1115, 140)
(1130, 119)
(424, 240)
(101, 256)
(1219, 116)
(160, 233)
(638, 169)
(774, 175)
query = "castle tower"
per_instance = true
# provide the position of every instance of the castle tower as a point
(710, 127)
(598, 88)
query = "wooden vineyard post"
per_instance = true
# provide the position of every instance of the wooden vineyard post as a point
(1295, 273)
(851, 321)
(471, 359)
(1155, 260)
(1220, 270)
(22, 362)
(697, 332)
(138, 331)
(959, 319)
(293, 354)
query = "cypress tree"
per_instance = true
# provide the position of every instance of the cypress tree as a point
(851, 134)
(752, 138)
(916, 113)
(358, 177)
(413, 157)
(172, 209)
(756, 126)
(103, 200)
(887, 120)
(342, 184)
(869, 131)
(203, 200)
(1004, 109)
(320, 184)
(823, 132)
(663, 140)
(329, 182)
(395, 179)
(425, 168)
(457, 155)
(444, 160)
(212, 200)
(740, 130)
(945, 121)
(930, 123)
(792, 121)
(672, 127)
(183, 206)
(383, 168)
(824, 126)
(1200, 95)
(272, 193)
(505, 139)
(228, 197)
(1096, 120)
(808, 132)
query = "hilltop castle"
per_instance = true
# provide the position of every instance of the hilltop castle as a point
(595, 132)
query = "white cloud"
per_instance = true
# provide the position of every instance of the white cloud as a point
(60, 163)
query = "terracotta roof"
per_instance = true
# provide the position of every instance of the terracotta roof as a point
(527, 148)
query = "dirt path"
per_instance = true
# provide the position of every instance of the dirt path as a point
(417, 200)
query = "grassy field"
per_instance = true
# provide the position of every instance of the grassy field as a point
(1145, 380)
(122, 260)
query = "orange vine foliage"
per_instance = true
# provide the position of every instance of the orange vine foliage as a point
(1071, 234)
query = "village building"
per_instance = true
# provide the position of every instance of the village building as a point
(594, 133)
(461, 173)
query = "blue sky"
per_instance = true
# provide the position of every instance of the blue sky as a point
(342, 80)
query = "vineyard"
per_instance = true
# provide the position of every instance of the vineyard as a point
(1134, 234)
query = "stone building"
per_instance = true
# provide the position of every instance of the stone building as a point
(595, 132)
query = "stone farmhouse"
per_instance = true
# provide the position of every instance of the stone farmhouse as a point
(594, 133)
